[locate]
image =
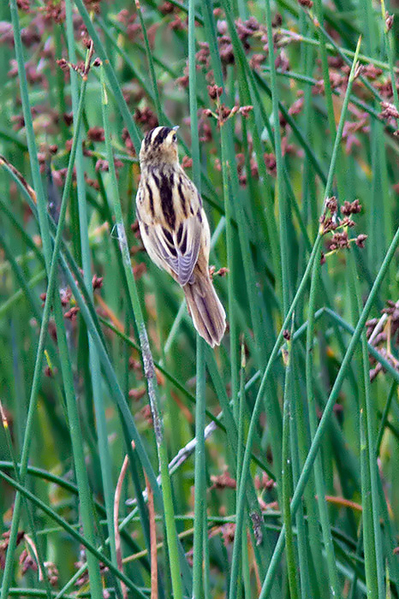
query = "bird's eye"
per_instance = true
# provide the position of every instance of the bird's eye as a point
(174, 138)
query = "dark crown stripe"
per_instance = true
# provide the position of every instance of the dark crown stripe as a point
(147, 140)
(161, 136)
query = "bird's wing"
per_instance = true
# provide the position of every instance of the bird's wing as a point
(178, 251)
(188, 239)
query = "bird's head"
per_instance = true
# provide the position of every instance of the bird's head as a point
(159, 146)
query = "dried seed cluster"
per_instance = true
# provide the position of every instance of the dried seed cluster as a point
(330, 222)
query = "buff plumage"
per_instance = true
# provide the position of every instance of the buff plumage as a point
(175, 230)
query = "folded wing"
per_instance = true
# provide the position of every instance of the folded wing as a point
(178, 250)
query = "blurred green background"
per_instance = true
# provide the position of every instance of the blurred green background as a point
(289, 125)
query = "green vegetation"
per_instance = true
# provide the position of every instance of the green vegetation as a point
(135, 461)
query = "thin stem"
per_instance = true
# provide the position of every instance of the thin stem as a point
(318, 468)
(255, 413)
(329, 407)
(199, 480)
(95, 369)
(82, 539)
(371, 513)
(280, 186)
(286, 473)
(52, 277)
(199, 473)
(149, 368)
(157, 100)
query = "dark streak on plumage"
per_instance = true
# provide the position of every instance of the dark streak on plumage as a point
(182, 198)
(151, 196)
(169, 242)
(168, 235)
(166, 195)
(172, 250)
(183, 244)
(156, 178)
(179, 233)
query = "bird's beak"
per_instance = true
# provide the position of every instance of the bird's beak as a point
(175, 128)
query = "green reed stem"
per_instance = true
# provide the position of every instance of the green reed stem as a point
(329, 407)
(95, 369)
(149, 368)
(312, 409)
(31, 517)
(81, 539)
(280, 186)
(286, 472)
(373, 551)
(229, 212)
(157, 101)
(199, 472)
(116, 89)
(52, 277)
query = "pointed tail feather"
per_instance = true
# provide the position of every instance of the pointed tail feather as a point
(206, 310)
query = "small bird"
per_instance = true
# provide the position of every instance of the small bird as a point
(175, 230)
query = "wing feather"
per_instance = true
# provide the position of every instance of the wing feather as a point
(188, 248)
(174, 249)
(178, 252)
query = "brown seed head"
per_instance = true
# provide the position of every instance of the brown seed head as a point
(214, 91)
(360, 240)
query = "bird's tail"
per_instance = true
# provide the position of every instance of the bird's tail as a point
(205, 309)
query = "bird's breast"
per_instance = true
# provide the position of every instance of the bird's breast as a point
(170, 196)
